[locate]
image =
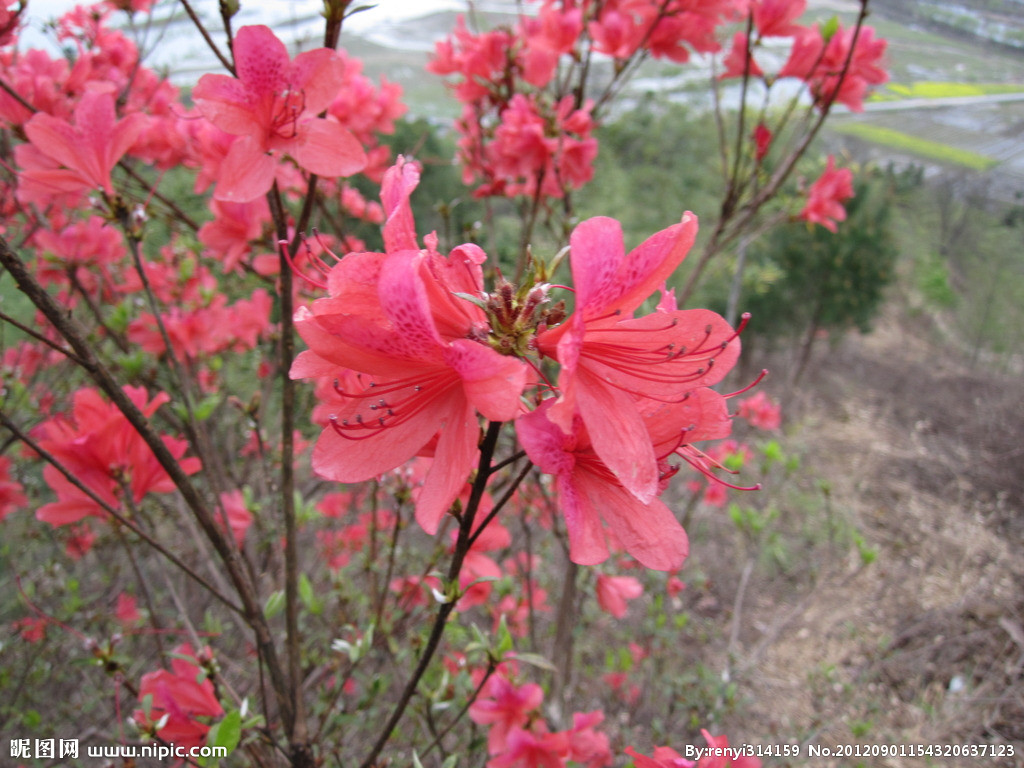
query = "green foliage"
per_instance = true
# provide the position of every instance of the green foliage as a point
(932, 150)
(655, 162)
(805, 276)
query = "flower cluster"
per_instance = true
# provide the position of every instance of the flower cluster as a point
(417, 352)
(837, 64)
(106, 456)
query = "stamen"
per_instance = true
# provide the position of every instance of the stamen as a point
(750, 386)
(283, 245)
(699, 466)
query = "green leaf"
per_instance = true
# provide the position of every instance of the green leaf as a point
(229, 731)
(830, 28)
(504, 638)
(205, 408)
(306, 594)
(274, 605)
(534, 660)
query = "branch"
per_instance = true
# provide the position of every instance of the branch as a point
(226, 550)
(462, 545)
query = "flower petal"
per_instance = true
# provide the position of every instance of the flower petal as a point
(454, 459)
(246, 173)
(323, 147)
(492, 382)
(618, 434)
(649, 532)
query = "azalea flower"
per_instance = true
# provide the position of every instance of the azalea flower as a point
(614, 591)
(589, 493)
(272, 106)
(610, 360)
(826, 196)
(102, 450)
(393, 327)
(663, 757)
(504, 706)
(761, 411)
(774, 18)
(178, 696)
(12, 495)
(88, 147)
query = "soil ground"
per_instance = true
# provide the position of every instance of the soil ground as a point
(925, 645)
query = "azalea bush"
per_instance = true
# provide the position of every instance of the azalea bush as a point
(315, 500)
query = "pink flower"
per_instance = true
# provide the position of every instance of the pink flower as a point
(821, 64)
(614, 591)
(11, 491)
(774, 18)
(587, 745)
(80, 540)
(31, 629)
(394, 320)
(610, 361)
(9, 21)
(504, 706)
(127, 611)
(740, 61)
(88, 147)
(238, 515)
(178, 696)
(103, 451)
(721, 756)
(589, 493)
(272, 107)
(761, 411)
(663, 757)
(529, 749)
(762, 141)
(826, 196)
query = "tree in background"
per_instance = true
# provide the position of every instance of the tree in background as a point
(806, 281)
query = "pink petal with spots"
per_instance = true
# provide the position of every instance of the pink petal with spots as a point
(399, 228)
(492, 382)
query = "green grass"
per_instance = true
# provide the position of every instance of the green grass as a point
(941, 90)
(931, 150)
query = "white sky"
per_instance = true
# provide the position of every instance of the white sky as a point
(268, 10)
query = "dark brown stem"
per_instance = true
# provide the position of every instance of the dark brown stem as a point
(295, 726)
(40, 338)
(226, 549)
(206, 36)
(729, 227)
(76, 284)
(462, 545)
